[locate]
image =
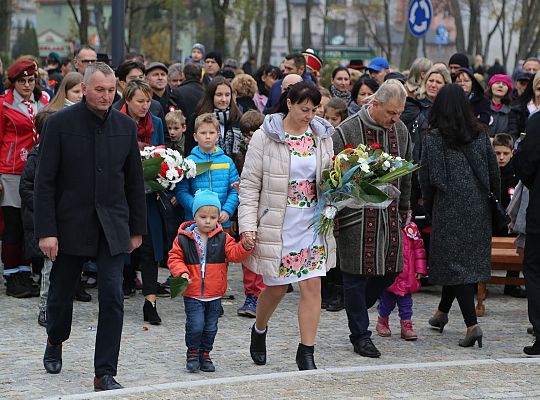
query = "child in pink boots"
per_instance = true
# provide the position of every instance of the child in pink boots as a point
(406, 283)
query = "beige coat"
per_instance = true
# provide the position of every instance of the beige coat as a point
(264, 188)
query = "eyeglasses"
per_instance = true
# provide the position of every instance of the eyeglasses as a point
(29, 81)
(459, 82)
(87, 61)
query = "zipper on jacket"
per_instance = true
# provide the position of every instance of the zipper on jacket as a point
(9, 153)
(203, 272)
(261, 217)
(210, 174)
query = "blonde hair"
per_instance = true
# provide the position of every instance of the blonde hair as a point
(175, 116)
(133, 86)
(244, 85)
(436, 69)
(71, 80)
(206, 118)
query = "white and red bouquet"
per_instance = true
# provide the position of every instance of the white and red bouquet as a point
(164, 168)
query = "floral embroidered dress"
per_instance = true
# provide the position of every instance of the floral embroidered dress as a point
(303, 256)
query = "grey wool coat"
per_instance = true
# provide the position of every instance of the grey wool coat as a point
(460, 243)
(369, 240)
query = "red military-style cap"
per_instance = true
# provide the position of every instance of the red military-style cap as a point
(21, 68)
(313, 62)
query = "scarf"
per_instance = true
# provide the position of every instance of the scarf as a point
(229, 139)
(68, 103)
(145, 127)
(345, 96)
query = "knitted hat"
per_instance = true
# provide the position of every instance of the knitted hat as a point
(205, 198)
(459, 59)
(501, 78)
(199, 47)
(21, 68)
(378, 63)
(216, 56)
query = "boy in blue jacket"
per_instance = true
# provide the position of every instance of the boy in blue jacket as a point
(219, 178)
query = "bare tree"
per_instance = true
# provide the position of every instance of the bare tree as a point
(475, 36)
(82, 22)
(268, 33)
(289, 26)
(219, 9)
(103, 27)
(371, 12)
(499, 13)
(455, 9)
(409, 50)
(246, 11)
(306, 32)
(387, 30)
(6, 9)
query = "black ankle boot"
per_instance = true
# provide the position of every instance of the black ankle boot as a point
(150, 313)
(304, 357)
(257, 348)
(52, 359)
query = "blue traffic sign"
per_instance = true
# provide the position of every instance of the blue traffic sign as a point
(419, 17)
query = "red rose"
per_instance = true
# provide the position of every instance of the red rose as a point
(349, 146)
(334, 157)
(163, 169)
(375, 146)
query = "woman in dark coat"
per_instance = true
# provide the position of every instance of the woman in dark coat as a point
(458, 204)
(475, 92)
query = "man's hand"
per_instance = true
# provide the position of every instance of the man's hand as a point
(223, 217)
(136, 241)
(49, 247)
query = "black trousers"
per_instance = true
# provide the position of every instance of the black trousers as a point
(361, 293)
(65, 275)
(465, 297)
(531, 271)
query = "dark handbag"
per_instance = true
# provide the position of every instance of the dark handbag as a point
(499, 217)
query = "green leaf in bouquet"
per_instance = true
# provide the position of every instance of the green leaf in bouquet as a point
(325, 186)
(325, 175)
(369, 193)
(153, 185)
(203, 167)
(353, 159)
(151, 167)
(177, 285)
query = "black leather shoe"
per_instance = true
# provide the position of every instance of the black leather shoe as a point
(150, 313)
(304, 357)
(82, 295)
(42, 318)
(366, 348)
(533, 350)
(52, 359)
(515, 291)
(257, 347)
(106, 382)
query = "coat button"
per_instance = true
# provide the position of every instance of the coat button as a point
(99, 169)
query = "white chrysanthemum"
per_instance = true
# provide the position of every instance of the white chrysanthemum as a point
(365, 167)
(386, 164)
(399, 159)
(330, 212)
(385, 155)
(342, 157)
(172, 174)
(190, 168)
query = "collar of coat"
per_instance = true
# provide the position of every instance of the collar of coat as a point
(273, 127)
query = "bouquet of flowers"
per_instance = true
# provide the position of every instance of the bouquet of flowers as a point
(164, 168)
(361, 177)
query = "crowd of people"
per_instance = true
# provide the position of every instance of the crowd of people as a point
(76, 213)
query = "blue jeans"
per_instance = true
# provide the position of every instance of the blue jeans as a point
(201, 323)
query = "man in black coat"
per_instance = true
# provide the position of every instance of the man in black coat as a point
(188, 95)
(89, 202)
(527, 167)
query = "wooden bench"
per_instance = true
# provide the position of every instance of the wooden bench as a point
(503, 258)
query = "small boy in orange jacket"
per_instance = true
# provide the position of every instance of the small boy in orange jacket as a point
(200, 253)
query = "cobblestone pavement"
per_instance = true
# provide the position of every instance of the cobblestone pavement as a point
(152, 361)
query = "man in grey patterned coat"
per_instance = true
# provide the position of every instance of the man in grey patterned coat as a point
(369, 240)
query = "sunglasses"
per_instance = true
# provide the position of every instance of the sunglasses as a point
(29, 81)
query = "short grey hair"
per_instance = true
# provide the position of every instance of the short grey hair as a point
(93, 68)
(390, 89)
(176, 68)
(419, 66)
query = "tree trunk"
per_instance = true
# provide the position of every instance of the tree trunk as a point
(387, 30)
(474, 28)
(409, 49)
(306, 34)
(289, 26)
(460, 36)
(220, 13)
(258, 29)
(325, 31)
(268, 33)
(492, 32)
(5, 21)
(101, 26)
(82, 22)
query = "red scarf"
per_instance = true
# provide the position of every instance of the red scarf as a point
(145, 127)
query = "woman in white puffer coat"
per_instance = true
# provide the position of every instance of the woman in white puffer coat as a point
(279, 188)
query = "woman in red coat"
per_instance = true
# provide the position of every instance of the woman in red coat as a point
(18, 108)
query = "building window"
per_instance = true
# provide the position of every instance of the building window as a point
(330, 3)
(362, 33)
(284, 30)
(335, 32)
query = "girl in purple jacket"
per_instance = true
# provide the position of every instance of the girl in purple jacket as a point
(406, 283)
